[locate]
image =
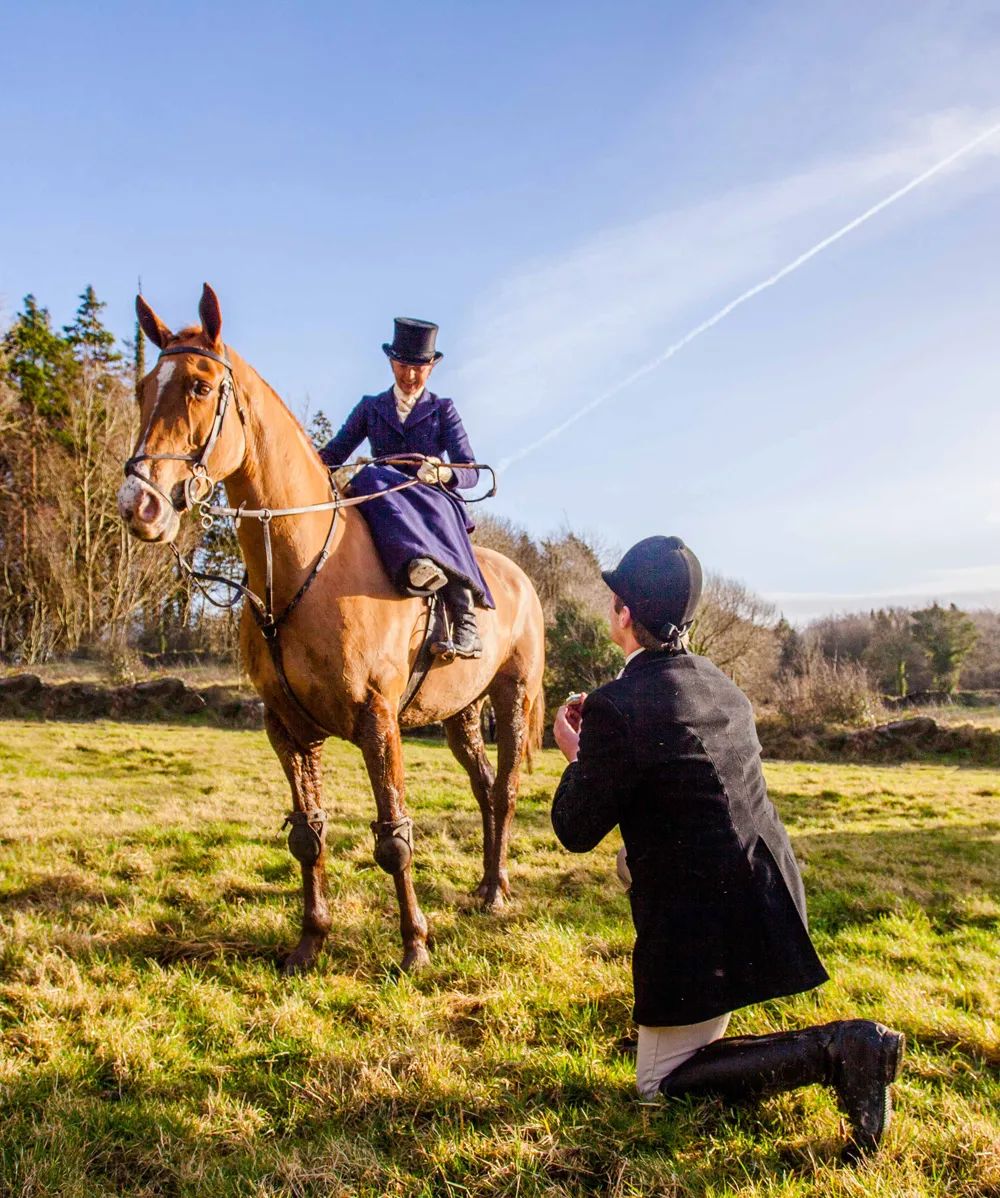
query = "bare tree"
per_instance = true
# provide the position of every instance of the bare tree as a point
(734, 627)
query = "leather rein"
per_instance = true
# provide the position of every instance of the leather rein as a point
(198, 490)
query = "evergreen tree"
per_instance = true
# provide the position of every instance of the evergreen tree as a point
(139, 351)
(791, 648)
(946, 635)
(320, 429)
(39, 363)
(91, 342)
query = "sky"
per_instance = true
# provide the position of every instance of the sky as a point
(569, 189)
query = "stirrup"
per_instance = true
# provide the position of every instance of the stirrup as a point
(443, 646)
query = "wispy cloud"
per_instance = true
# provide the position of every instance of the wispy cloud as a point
(556, 333)
(966, 586)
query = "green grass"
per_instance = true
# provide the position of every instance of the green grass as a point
(149, 1046)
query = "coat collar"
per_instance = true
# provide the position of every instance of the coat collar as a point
(650, 657)
(386, 403)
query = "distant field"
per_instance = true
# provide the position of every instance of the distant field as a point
(217, 674)
(149, 1047)
(979, 717)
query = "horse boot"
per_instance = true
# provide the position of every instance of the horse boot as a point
(465, 630)
(856, 1057)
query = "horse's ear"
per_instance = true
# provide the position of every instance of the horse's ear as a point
(211, 316)
(150, 323)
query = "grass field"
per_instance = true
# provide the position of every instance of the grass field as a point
(150, 1047)
(955, 714)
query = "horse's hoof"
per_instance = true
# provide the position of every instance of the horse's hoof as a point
(494, 899)
(493, 895)
(416, 958)
(299, 960)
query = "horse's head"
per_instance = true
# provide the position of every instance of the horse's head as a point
(191, 427)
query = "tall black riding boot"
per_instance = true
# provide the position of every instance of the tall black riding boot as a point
(856, 1057)
(464, 629)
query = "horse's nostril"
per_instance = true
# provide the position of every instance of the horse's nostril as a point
(148, 507)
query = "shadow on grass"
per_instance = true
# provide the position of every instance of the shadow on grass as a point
(51, 892)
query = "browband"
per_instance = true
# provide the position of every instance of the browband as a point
(196, 349)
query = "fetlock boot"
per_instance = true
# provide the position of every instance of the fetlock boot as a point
(465, 630)
(856, 1057)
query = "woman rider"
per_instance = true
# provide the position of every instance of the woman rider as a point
(422, 532)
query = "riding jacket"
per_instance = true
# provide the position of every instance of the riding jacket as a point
(669, 752)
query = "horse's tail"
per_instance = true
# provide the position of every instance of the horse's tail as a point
(536, 728)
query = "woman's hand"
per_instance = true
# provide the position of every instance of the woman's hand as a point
(432, 470)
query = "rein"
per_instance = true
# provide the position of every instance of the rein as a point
(199, 488)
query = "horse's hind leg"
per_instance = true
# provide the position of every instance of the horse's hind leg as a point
(511, 705)
(377, 735)
(465, 739)
(306, 839)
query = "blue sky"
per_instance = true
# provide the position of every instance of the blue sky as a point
(568, 189)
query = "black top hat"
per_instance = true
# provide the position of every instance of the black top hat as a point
(413, 341)
(660, 581)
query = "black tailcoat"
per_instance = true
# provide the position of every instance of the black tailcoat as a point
(669, 751)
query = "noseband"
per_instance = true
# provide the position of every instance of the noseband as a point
(200, 485)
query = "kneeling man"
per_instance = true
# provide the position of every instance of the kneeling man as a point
(669, 752)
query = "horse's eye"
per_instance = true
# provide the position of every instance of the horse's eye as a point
(201, 389)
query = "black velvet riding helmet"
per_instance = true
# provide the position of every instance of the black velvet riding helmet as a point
(659, 579)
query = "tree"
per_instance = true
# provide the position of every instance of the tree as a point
(843, 637)
(579, 652)
(892, 657)
(320, 429)
(791, 648)
(39, 363)
(90, 341)
(734, 627)
(946, 635)
(981, 669)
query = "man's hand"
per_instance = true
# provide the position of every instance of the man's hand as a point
(566, 728)
(432, 471)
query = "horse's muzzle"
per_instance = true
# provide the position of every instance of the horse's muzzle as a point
(145, 513)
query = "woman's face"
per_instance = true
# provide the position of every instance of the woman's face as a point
(410, 377)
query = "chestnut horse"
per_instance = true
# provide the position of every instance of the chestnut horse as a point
(348, 646)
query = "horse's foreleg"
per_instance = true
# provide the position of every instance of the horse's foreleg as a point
(511, 705)
(377, 735)
(465, 739)
(306, 839)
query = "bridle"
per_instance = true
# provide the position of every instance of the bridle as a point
(198, 490)
(200, 485)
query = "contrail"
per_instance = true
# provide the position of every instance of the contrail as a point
(770, 281)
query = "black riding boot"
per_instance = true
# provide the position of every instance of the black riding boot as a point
(856, 1057)
(465, 640)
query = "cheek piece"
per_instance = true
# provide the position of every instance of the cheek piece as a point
(200, 485)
